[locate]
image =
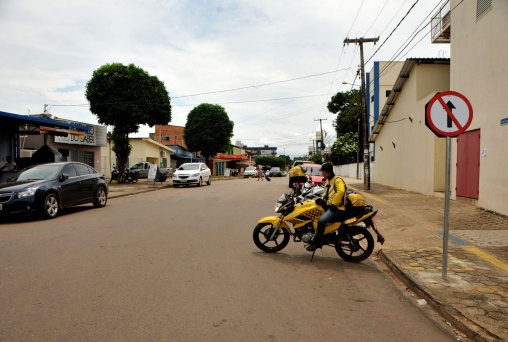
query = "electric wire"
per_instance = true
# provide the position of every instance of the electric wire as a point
(411, 37)
(391, 33)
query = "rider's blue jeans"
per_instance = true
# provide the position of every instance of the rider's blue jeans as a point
(329, 217)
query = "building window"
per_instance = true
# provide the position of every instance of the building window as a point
(165, 138)
(85, 157)
(388, 92)
(482, 7)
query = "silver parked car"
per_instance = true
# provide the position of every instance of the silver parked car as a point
(192, 173)
(250, 171)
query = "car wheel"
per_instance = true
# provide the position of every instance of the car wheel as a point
(209, 182)
(101, 197)
(200, 181)
(51, 206)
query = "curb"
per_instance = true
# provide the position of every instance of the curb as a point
(123, 194)
(452, 315)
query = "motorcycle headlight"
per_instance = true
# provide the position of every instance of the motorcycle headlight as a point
(28, 192)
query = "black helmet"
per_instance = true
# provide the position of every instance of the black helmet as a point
(327, 167)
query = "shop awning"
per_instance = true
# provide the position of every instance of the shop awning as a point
(30, 120)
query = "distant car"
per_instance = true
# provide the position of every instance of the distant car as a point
(275, 172)
(192, 173)
(250, 171)
(314, 172)
(47, 188)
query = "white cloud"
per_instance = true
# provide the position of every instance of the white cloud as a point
(51, 48)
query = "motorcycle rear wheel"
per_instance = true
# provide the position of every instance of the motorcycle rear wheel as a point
(261, 236)
(354, 244)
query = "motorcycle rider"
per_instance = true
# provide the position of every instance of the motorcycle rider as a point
(333, 201)
(298, 174)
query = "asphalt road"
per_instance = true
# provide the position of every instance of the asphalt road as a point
(180, 265)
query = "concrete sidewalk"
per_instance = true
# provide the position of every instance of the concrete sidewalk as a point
(474, 298)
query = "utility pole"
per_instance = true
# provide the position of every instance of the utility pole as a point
(364, 119)
(322, 137)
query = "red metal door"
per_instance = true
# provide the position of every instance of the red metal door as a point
(468, 164)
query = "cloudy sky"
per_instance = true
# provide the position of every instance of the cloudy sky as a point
(287, 56)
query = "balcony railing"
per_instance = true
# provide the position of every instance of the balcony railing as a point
(441, 24)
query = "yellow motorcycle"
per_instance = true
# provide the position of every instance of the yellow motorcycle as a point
(351, 238)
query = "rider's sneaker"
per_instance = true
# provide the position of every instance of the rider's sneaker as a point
(315, 243)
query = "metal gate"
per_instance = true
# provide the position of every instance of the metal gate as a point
(468, 164)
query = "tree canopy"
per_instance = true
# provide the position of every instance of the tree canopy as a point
(317, 158)
(344, 150)
(347, 106)
(125, 97)
(208, 129)
(272, 161)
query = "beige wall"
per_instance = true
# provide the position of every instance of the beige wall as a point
(142, 150)
(479, 70)
(408, 155)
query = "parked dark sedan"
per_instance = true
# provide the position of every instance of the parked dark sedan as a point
(47, 188)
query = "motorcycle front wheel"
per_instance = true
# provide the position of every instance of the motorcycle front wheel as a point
(261, 236)
(354, 244)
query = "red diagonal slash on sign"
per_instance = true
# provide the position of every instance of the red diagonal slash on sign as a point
(450, 113)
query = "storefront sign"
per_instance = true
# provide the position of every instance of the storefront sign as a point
(224, 156)
(89, 138)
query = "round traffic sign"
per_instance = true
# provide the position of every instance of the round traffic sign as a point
(449, 113)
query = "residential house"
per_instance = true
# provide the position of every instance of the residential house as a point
(476, 31)
(408, 154)
(143, 150)
(173, 137)
(261, 150)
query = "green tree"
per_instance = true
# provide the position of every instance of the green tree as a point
(347, 106)
(287, 159)
(125, 97)
(271, 161)
(317, 158)
(208, 129)
(344, 149)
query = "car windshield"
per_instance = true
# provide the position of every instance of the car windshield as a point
(137, 166)
(250, 168)
(189, 167)
(39, 172)
(275, 169)
(313, 170)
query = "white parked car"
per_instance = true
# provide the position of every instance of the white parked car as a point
(192, 173)
(250, 171)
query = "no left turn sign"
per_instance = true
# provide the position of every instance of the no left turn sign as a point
(448, 114)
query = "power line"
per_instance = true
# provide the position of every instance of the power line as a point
(378, 15)
(260, 85)
(391, 33)
(356, 17)
(253, 101)
(411, 37)
(391, 64)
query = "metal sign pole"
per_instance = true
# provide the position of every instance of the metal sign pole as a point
(446, 210)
